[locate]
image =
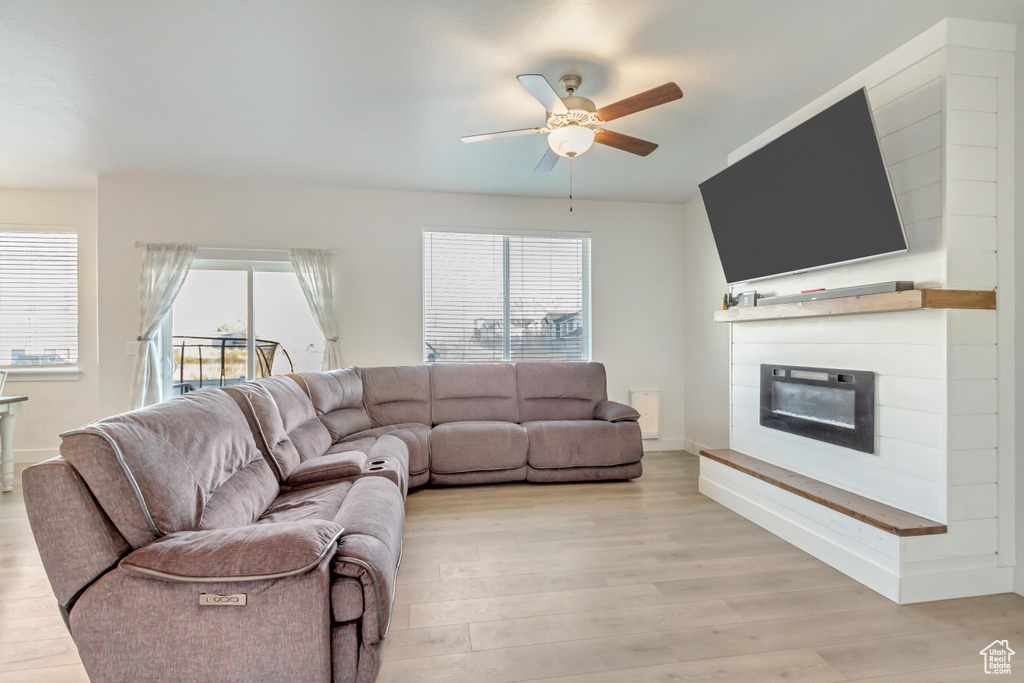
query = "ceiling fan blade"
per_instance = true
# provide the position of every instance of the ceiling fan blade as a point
(547, 162)
(625, 142)
(645, 100)
(542, 90)
(503, 134)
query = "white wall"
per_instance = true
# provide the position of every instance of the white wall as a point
(58, 402)
(637, 273)
(706, 342)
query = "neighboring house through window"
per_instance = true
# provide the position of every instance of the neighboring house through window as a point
(493, 297)
(38, 298)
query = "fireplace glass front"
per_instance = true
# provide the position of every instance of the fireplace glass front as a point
(836, 406)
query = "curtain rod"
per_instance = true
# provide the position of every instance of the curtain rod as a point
(139, 244)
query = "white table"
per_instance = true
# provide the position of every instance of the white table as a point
(10, 406)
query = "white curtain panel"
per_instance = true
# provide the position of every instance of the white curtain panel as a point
(164, 268)
(313, 268)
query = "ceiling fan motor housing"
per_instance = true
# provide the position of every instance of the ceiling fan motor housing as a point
(581, 113)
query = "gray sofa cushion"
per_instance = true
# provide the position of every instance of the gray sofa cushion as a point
(471, 391)
(397, 395)
(249, 553)
(583, 443)
(153, 470)
(337, 398)
(558, 390)
(305, 430)
(242, 498)
(283, 421)
(317, 502)
(267, 424)
(458, 447)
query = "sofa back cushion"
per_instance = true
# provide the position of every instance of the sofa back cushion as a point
(553, 390)
(337, 397)
(473, 391)
(154, 470)
(397, 395)
(283, 422)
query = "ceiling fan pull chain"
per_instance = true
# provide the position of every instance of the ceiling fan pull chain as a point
(570, 182)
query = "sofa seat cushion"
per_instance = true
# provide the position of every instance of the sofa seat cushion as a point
(320, 502)
(477, 446)
(413, 434)
(583, 443)
(328, 467)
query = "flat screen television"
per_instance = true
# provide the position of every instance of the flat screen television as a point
(818, 195)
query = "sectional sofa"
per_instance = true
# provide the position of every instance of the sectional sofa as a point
(255, 532)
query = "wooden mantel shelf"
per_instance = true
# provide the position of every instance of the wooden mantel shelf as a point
(907, 300)
(879, 515)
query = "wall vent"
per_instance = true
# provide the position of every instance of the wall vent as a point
(648, 404)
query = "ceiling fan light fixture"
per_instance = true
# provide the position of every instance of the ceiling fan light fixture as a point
(571, 140)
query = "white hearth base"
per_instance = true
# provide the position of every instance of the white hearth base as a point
(862, 552)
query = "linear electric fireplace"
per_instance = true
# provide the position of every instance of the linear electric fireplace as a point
(835, 406)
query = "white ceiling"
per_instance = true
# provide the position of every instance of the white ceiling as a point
(376, 94)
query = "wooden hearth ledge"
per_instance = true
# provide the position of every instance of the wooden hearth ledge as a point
(879, 515)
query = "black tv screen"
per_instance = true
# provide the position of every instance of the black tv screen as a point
(817, 195)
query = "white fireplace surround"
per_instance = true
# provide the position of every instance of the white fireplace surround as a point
(943, 105)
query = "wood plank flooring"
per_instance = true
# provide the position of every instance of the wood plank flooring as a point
(633, 581)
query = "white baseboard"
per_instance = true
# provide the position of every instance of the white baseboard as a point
(29, 456)
(694, 447)
(792, 527)
(664, 444)
(955, 583)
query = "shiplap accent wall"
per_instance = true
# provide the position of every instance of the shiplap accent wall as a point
(937, 102)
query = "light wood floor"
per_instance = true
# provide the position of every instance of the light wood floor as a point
(634, 581)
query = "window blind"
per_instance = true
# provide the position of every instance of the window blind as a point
(38, 298)
(505, 297)
(546, 298)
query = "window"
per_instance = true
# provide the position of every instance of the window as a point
(490, 297)
(38, 298)
(221, 300)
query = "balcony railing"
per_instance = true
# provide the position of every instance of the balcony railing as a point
(219, 361)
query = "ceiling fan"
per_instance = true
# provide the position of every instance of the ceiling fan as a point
(572, 121)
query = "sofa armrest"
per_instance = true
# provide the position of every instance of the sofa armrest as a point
(249, 553)
(328, 467)
(610, 411)
(370, 551)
